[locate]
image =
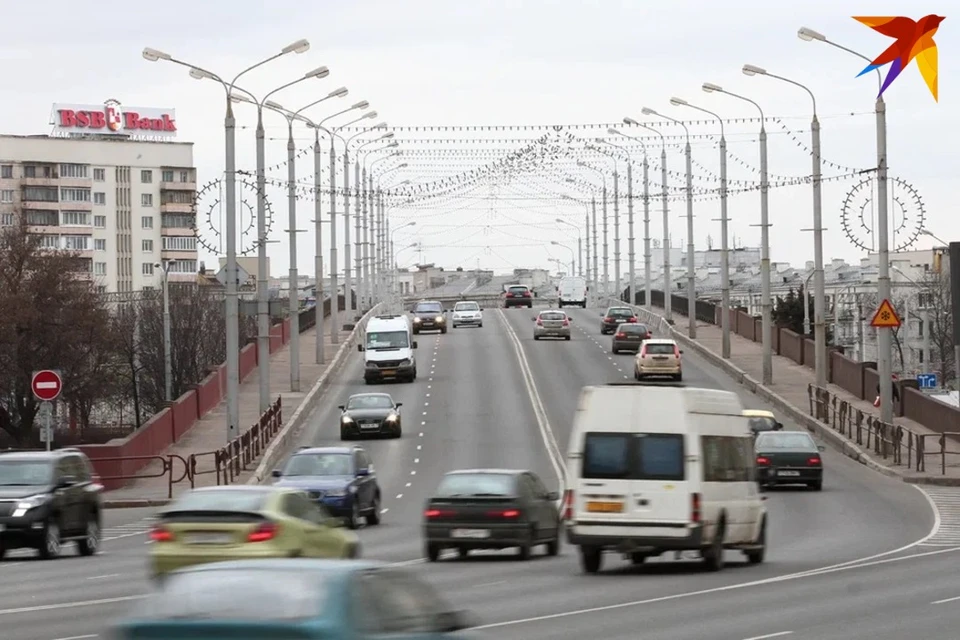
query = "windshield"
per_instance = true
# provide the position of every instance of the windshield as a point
(387, 340)
(370, 402)
(319, 464)
(801, 441)
(428, 307)
(467, 306)
(471, 484)
(222, 500)
(24, 472)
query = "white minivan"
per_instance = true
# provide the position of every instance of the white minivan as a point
(653, 468)
(387, 349)
(572, 292)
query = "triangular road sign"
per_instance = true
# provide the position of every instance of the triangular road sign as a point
(885, 316)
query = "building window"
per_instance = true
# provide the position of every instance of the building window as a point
(6, 196)
(100, 175)
(49, 242)
(179, 243)
(182, 266)
(101, 288)
(177, 221)
(6, 171)
(147, 288)
(178, 197)
(146, 222)
(40, 194)
(43, 218)
(146, 176)
(76, 243)
(146, 199)
(147, 269)
(75, 218)
(167, 176)
(146, 245)
(100, 222)
(72, 194)
(74, 171)
(100, 244)
(185, 176)
(99, 268)
(99, 197)
(6, 220)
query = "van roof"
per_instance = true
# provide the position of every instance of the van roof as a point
(395, 323)
(758, 413)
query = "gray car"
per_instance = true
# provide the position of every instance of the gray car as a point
(629, 337)
(551, 324)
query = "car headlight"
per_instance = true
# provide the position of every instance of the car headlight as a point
(416, 319)
(336, 493)
(439, 319)
(392, 417)
(32, 502)
(346, 419)
(406, 362)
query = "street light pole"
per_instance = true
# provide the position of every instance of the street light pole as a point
(167, 346)
(596, 278)
(579, 243)
(362, 224)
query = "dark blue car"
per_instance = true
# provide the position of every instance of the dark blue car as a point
(341, 479)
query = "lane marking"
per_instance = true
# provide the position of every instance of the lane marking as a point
(103, 577)
(702, 592)
(945, 600)
(69, 605)
(89, 635)
(771, 635)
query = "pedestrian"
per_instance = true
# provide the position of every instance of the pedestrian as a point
(896, 391)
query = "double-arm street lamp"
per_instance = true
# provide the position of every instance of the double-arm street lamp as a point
(579, 243)
(604, 290)
(573, 258)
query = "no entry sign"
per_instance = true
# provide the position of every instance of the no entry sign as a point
(46, 385)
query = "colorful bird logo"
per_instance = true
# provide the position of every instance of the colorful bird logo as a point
(914, 39)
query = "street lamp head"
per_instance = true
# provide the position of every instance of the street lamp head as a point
(554, 242)
(394, 144)
(300, 46)
(273, 105)
(319, 72)
(338, 93)
(412, 223)
(709, 87)
(678, 102)
(371, 114)
(805, 33)
(155, 54)
(580, 163)
(560, 220)
(630, 121)
(361, 105)
(402, 165)
(236, 97)
(753, 70)
(387, 136)
(613, 131)
(647, 111)
(381, 125)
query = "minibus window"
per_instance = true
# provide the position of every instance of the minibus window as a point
(659, 456)
(606, 455)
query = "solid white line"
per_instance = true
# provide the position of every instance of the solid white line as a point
(702, 592)
(103, 577)
(946, 600)
(89, 635)
(771, 635)
(68, 605)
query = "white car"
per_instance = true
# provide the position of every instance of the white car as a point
(467, 314)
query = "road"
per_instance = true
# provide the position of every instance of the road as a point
(472, 406)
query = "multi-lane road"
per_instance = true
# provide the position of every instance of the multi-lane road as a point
(844, 562)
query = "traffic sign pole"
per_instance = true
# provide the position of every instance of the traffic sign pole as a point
(885, 318)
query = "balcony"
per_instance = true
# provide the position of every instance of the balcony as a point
(39, 205)
(178, 231)
(76, 182)
(178, 186)
(176, 207)
(48, 181)
(76, 206)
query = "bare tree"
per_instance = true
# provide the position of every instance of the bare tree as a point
(935, 296)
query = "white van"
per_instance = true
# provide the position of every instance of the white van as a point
(572, 292)
(387, 349)
(654, 467)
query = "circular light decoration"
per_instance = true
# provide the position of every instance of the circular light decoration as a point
(906, 215)
(209, 205)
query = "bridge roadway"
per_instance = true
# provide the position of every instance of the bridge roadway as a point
(471, 407)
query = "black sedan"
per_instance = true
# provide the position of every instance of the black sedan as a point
(614, 317)
(629, 337)
(370, 414)
(491, 509)
(788, 457)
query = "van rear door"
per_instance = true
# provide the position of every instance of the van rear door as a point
(634, 478)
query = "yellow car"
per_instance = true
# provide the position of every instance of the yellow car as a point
(761, 420)
(245, 522)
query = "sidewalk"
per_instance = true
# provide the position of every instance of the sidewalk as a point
(209, 433)
(791, 382)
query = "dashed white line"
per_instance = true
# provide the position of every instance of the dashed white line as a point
(399, 495)
(771, 635)
(416, 460)
(409, 483)
(946, 600)
(104, 576)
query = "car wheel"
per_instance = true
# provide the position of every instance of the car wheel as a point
(50, 546)
(566, 337)
(638, 558)
(374, 517)
(399, 430)
(526, 549)
(444, 330)
(536, 337)
(755, 556)
(90, 543)
(3, 551)
(479, 325)
(713, 557)
(678, 377)
(591, 559)
(433, 552)
(816, 486)
(553, 546)
(615, 351)
(636, 375)
(343, 434)
(354, 520)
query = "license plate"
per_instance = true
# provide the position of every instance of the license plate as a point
(470, 533)
(209, 538)
(389, 372)
(605, 507)
(369, 425)
(791, 474)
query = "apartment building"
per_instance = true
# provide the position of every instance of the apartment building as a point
(124, 205)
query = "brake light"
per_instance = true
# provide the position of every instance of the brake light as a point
(437, 513)
(814, 461)
(695, 508)
(159, 534)
(566, 322)
(620, 334)
(632, 319)
(608, 319)
(568, 505)
(676, 351)
(540, 321)
(507, 513)
(643, 351)
(264, 532)
(526, 294)
(761, 460)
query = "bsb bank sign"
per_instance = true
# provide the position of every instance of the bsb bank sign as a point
(113, 119)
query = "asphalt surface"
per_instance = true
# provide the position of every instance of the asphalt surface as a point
(472, 407)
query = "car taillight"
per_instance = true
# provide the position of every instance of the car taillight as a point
(620, 334)
(526, 294)
(159, 534)
(695, 507)
(608, 319)
(509, 295)
(540, 321)
(566, 322)
(264, 532)
(632, 319)
(761, 460)
(814, 461)
(676, 351)
(437, 513)
(643, 351)
(568, 505)
(505, 513)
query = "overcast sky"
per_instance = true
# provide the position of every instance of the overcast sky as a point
(439, 62)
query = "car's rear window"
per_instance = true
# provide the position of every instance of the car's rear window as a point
(763, 423)
(660, 349)
(221, 500)
(633, 328)
(633, 456)
(471, 484)
(518, 289)
(237, 595)
(553, 315)
(466, 306)
(785, 440)
(429, 307)
(620, 312)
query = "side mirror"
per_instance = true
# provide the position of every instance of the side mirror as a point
(533, 318)
(778, 426)
(66, 481)
(481, 308)
(681, 350)
(362, 473)
(553, 495)
(414, 344)
(341, 407)
(276, 473)
(411, 310)
(451, 621)
(398, 405)
(360, 347)
(570, 318)
(821, 448)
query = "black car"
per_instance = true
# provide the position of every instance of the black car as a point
(341, 479)
(428, 315)
(491, 509)
(518, 295)
(370, 414)
(614, 317)
(788, 457)
(629, 337)
(48, 498)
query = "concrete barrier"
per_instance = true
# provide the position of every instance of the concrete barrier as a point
(288, 434)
